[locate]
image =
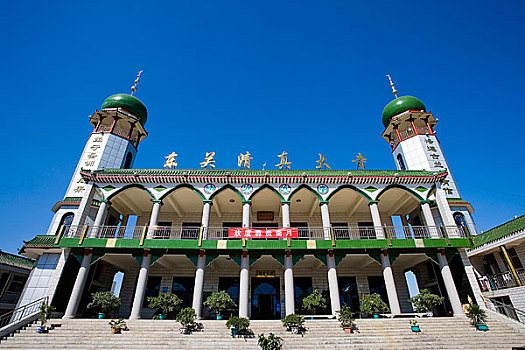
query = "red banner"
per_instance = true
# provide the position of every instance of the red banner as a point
(262, 233)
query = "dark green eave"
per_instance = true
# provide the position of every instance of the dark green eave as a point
(40, 241)
(73, 201)
(500, 231)
(16, 261)
(400, 105)
(129, 103)
(253, 172)
(260, 244)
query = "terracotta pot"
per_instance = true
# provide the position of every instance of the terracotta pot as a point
(115, 330)
(348, 329)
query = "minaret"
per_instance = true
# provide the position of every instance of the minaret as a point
(409, 129)
(118, 129)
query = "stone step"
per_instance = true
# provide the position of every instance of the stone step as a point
(437, 333)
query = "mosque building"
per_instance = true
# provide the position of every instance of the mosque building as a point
(266, 237)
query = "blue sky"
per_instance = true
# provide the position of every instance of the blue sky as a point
(307, 77)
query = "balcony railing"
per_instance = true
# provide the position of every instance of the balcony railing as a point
(304, 233)
(501, 280)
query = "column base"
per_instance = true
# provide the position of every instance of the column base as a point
(67, 317)
(135, 317)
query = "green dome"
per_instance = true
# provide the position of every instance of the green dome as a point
(400, 105)
(130, 103)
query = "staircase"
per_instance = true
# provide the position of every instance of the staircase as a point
(436, 333)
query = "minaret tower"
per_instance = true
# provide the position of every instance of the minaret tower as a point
(118, 129)
(410, 131)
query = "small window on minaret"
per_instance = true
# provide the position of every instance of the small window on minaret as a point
(127, 163)
(401, 162)
(460, 219)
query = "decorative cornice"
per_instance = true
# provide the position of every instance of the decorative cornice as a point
(261, 176)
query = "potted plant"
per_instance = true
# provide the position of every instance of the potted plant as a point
(314, 302)
(372, 304)
(104, 303)
(45, 314)
(219, 301)
(293, 323)
(414, 326)
(165, 303)
(272, 342)
(186, 318)
(426, 301)
(346, 318)
(238, 325)
(117, 325)
(478, 317)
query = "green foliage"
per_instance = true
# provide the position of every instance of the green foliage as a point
(346, 317)
(105, 302)
(187, 317)
(372, 304)
(117, 324)
(239, 323)
(476, 314)
(165, 303)
(293, 320)
(45, 312)
(272, 342)
(426, 301)
(219, 301)
(314, 302)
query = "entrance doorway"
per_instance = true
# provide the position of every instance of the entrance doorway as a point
(348, 292)
(266, 304)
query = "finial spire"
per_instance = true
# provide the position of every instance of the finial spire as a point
(134, 87)
(394, 91)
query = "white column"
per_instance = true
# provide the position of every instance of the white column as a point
(333, 285)
(289, 295)
(205, 222)
(199, 285)
(450, 286)
(246, 214)
(376, 219)
(78, 287)
(390, 284)
(325, 216)
(136, 309)
(444, 210)
(471, 275)
(154, 218)
(285, 209)
(243, 286)
(155, 211)
(99, 219)
(429, 220)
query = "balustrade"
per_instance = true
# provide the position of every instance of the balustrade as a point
(304, 233)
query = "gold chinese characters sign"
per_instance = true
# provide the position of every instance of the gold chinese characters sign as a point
(265, 273)
(244, 160)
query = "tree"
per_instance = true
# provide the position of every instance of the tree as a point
(426, 301)
(219, 301)
(165, 303)
(314, 302)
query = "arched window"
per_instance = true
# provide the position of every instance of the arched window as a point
(67, 220)
(401, 162)
(460, 219)
(127, 163)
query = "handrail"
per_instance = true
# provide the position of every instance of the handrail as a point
(21, 312)
(516, 311)
(309, 233)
